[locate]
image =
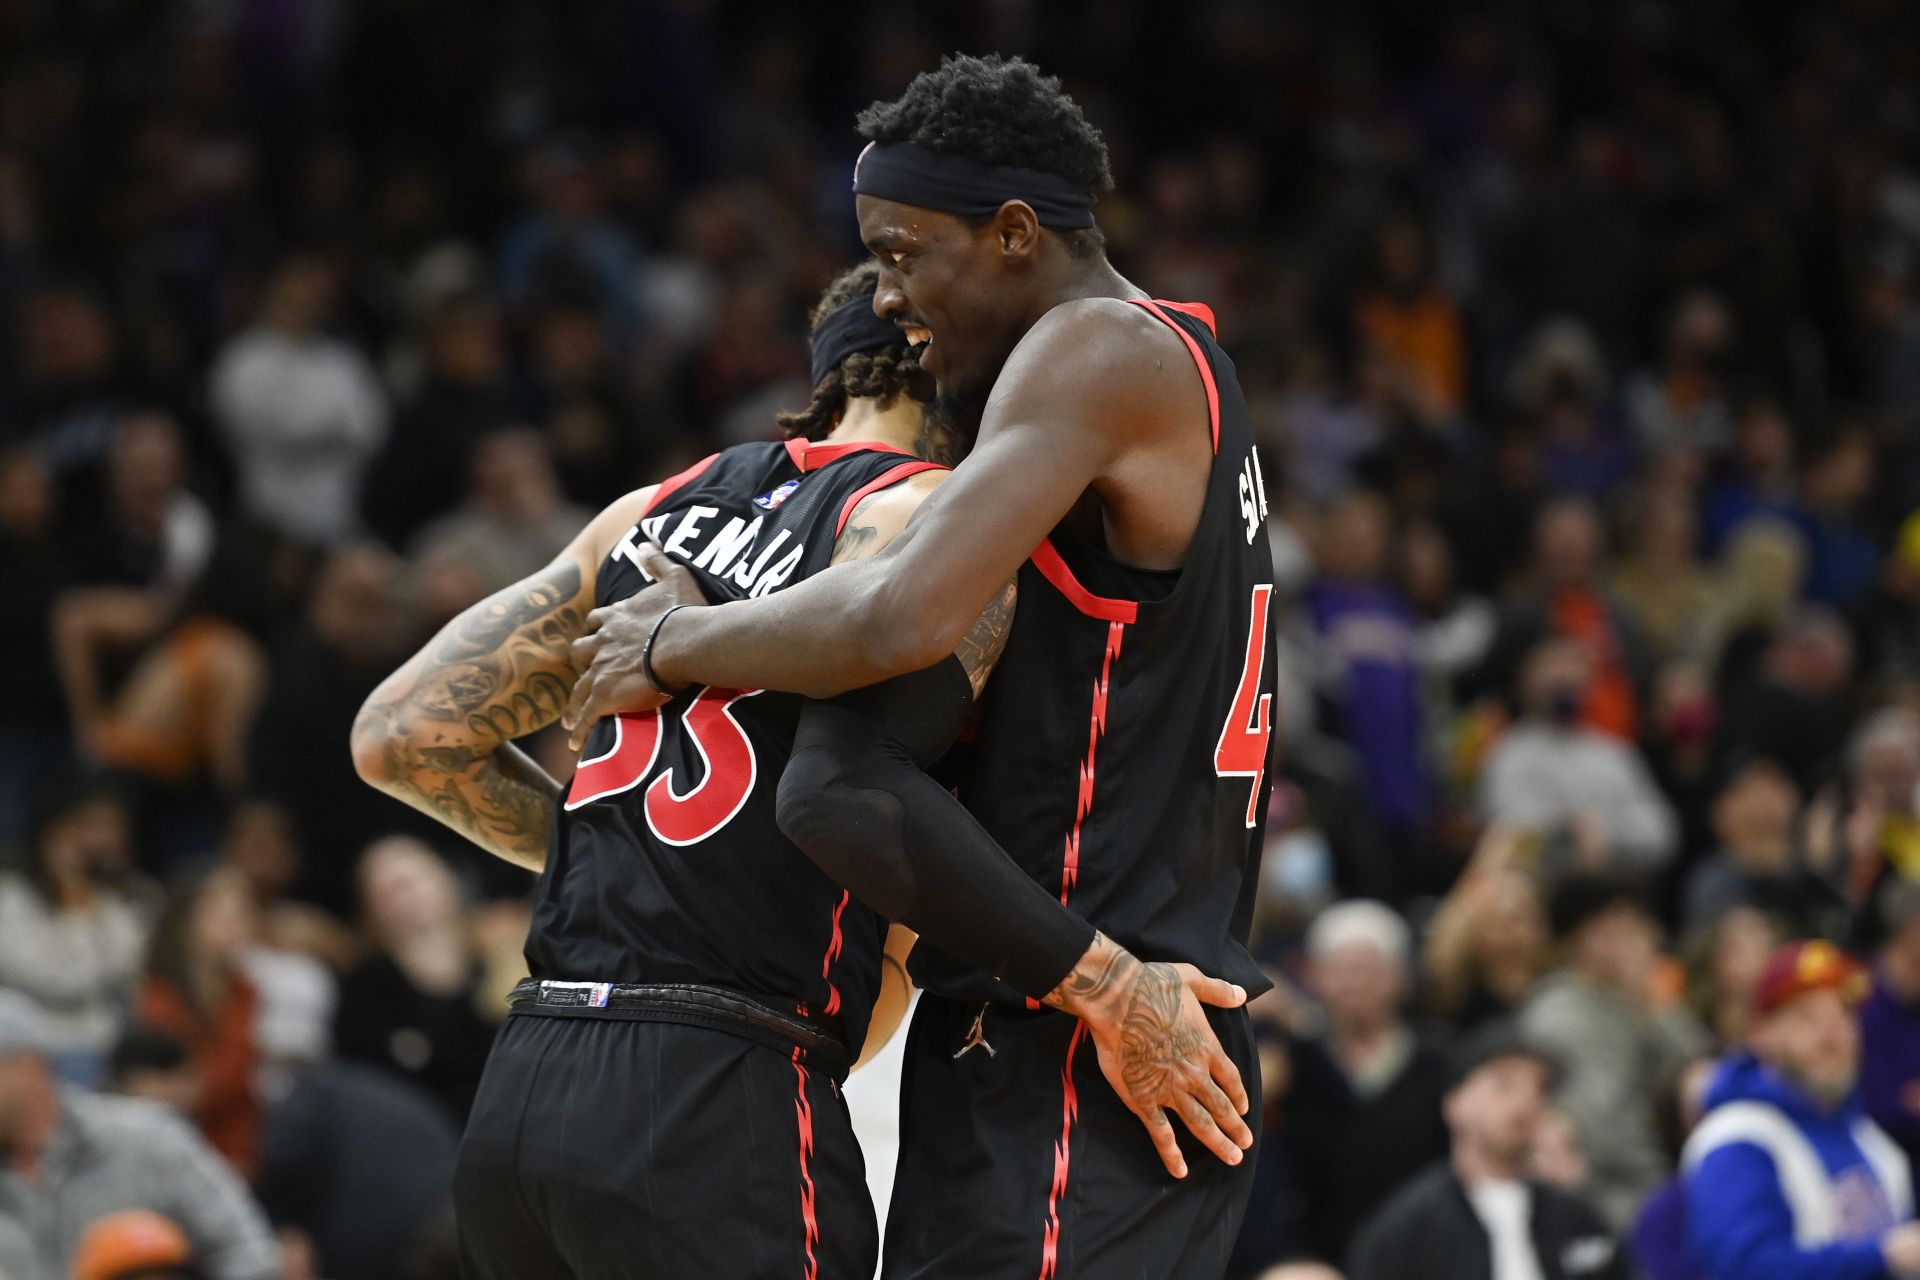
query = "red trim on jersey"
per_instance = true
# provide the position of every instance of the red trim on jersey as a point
(1083, 804)
(1062, 1158)
(834, 945)
(811, 455)
(1054, 570)
(1198, 310)
(1199, 357)
(886, 479)
(673, 482)
(803, 1114)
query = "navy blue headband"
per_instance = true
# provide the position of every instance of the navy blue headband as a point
(849, 329)
(908, 173)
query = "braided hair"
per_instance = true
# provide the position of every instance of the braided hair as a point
(883, 374)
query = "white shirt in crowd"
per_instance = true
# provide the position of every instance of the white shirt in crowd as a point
(1539, 776)
(304, 415)
(1505, 1209)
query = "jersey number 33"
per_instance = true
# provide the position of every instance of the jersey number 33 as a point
(676, 816)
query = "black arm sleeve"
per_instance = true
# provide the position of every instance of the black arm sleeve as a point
(857, 800)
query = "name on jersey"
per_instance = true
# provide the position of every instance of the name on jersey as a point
(1253, 495)
(730, 551)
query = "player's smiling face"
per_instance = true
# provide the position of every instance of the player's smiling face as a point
(946, 283)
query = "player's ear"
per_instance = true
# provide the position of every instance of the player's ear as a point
(1016, 230)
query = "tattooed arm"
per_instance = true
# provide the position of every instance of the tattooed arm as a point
(438, 733)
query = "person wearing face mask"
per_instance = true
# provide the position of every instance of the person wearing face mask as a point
(1591, 795)
(1786, 1177)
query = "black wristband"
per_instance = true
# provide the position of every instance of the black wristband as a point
(646, 652)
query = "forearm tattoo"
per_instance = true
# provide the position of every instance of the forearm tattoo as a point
(445, 722)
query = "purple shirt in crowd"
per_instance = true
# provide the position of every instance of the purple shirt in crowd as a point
(1890, 1066)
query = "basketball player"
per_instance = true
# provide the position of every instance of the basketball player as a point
(699, 986)
(1123, 757)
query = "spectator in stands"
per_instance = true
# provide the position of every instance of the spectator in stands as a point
(412, 1006)
(246, 1013)
(1454, 627)
(1760, 479)
(568, 243)
(1658, 1243)
(1758, 864)
(361, 1165)
(69, 1157)
(1796, 708)
(1880, 826)
(1408, 318)
(1786, 1177)
(74, 927)
(421, 473)
(70, 378)
(34, 568)
(155, 534)
(260, 844)
(1370, 661)
(1477, 1216)
(1600, 1018)
(1364, 1105)
(355, 631)
(301, 409)
(1843, 559)
(1890, 1023)
(1568, 598)
(1559, 384)
(1724, 962)
(180, 717)
(1587, 792)
(1487, 941)
(514, 519)
(1683, 404)
(1661, 583)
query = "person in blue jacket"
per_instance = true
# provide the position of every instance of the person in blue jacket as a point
(1786, 1177)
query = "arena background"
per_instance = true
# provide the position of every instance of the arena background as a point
(1582, 341)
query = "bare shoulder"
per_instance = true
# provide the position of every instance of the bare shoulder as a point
(880, 517)
(1102, 353)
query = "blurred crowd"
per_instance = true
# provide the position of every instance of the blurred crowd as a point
(1583, 341)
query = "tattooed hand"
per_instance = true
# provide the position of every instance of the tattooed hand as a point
(612, 679)
(1157, 1050)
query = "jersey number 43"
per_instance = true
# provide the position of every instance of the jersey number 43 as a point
(675, 816)
(1242, 752)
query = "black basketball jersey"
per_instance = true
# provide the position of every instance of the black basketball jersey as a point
(1123, 755)
(666, 864)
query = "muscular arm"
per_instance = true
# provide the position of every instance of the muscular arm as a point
(438, 733)
(1097, 395)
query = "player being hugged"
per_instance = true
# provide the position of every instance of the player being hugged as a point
(664, 1099)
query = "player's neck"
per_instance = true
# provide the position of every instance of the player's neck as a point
(1066, 278)
(899, 424)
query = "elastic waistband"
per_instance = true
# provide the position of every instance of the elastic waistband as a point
(687, 1003)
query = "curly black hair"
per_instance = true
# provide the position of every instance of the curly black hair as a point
(998, 110)
(885, 373)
